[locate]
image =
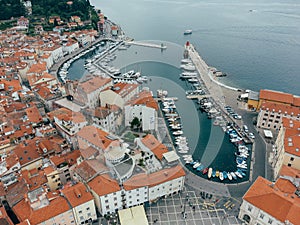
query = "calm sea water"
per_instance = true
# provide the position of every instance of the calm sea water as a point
(257, 43)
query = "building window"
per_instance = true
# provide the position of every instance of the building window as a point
(261, 216)
(106, 201)
(88, 208)
(115, 198)
(289, 164)
(270, 221)
(292, 158)
(249, 208)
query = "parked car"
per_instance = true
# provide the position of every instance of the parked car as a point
(251, 135)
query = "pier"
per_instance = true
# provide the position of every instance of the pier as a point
(145, 44)
(197, 96)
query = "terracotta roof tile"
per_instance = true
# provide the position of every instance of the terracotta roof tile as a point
(104, 184)
(77, 194)
(155, 146)
(56, 207)
(277, 107)
(34, 178)
(275, 199)
(153, 179)
(289, 171)
(93, 84)
(34, 115)
(97, 137)
(27, 152)
(144, 98)
(276, 96)
(90, 168)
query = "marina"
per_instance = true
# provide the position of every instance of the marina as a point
(210, 115)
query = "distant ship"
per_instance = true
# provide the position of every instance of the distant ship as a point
(186, 32)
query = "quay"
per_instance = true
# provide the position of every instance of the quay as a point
(144, 44)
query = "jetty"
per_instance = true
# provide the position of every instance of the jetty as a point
(145, 44)
(206, 75)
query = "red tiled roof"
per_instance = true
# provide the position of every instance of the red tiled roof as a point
(104, 184)
(275, 199)
(289, 171)
(96, 136)
(276, 96)
(277, 107)
(153, 179)
(144, 98)
(93, 84)
(77, 194)
(155, 146)
(56, 207)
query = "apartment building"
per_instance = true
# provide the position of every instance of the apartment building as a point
(287, 145)
(267, 203)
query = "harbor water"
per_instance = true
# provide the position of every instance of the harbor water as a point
(257, 43)
(208, 144)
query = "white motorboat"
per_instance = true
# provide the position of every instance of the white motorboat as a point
(178, 132)
(233, 175)
(229, 176)
(238, 174)
(221, 176)
(187, 32)
(185, 61)
(196, 165)
(209, 172)
(188, 67)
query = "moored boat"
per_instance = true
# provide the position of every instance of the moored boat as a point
(233, 175)
(229, 176)
(196, 165)
(205, 170)
(238, 174)
(217, 173)
(209, 172)
(221, 176)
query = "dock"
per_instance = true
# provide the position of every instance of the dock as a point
(197, 96)
(145, 44)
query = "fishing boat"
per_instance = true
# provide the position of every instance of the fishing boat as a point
(205, 171)
(241, 172)
(221, 176)
(187, 32)
(233, 175)
(213, 173)
(229, 176)
(200, 168)
(238, 174)
(209, 172)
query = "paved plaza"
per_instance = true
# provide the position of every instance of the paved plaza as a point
(190, 209)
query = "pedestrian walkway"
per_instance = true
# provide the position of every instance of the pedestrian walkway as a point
(186, 208)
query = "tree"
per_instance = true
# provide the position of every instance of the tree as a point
(135, 123)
